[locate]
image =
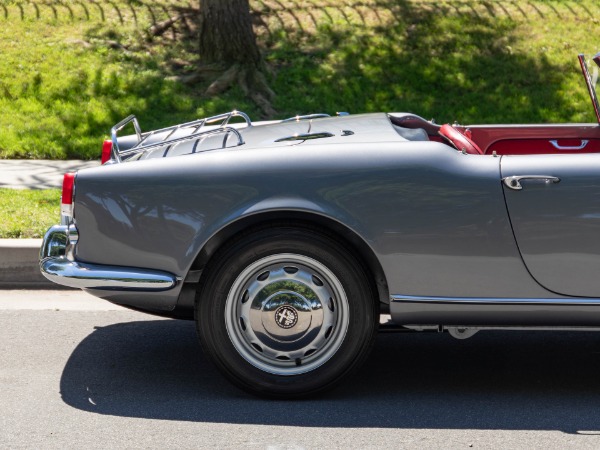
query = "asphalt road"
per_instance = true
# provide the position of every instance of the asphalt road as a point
(76, 372)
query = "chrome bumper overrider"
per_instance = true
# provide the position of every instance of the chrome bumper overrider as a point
(58, 265)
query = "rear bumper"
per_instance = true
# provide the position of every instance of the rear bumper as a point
(57, 264)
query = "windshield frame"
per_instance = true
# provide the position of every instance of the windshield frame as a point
(591, 82)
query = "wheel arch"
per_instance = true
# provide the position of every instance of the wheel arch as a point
(300, 219)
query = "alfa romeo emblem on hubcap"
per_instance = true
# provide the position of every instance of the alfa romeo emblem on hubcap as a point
(286, 317)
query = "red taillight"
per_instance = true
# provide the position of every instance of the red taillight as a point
(66, 201)
(106, 150)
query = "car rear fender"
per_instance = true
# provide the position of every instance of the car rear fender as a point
(297, 212)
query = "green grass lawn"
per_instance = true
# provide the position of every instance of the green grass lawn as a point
(70, 69)
(28, 214)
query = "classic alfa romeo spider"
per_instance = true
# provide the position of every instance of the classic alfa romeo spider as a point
(286, 241)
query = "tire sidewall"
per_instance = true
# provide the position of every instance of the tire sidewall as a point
(227, 266)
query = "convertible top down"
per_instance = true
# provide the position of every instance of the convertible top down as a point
(287, 240)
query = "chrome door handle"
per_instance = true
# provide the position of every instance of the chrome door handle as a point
(584, 142)
(514, 182)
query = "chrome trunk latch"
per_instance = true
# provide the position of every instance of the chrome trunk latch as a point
(306, 136)
(514, 182)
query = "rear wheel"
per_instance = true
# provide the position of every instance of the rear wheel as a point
(286, 312)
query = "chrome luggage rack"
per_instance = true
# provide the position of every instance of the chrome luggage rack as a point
(169, 140)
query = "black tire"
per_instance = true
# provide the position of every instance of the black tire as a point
(286, 312)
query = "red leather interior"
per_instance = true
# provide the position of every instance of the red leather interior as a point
(459, 140)
(536, 139)
(543, 146)
(520, 139)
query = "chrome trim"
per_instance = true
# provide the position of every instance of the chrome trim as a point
(514, 182)
(58, 246)
(226, 130)
(306, 136)
(55, 242)
(66, 210)
(197, 133)
(114, 135)
(589, 83)
(495, 300)
(306, 117)
(72, 238)
(554, 142)
(287, 314)
(93, 276)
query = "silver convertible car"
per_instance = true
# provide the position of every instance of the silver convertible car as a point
(288, 241)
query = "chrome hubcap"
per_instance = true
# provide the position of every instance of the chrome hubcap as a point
(286, 314)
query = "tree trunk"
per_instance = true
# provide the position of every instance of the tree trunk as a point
(226, 34)
(227, 39)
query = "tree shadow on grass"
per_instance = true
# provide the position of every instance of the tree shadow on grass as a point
(451, 60)
(496, 380)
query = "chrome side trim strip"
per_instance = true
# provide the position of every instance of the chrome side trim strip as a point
(92, 276)
(496, 300)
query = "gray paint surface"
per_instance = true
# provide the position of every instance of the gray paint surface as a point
(434, 218)
(557, 224)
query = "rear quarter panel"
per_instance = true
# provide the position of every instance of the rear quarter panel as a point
(434, 218)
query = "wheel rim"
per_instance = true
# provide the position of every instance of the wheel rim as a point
(286, 314)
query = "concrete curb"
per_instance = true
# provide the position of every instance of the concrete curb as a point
(19, 267)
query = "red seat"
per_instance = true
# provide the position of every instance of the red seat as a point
(459, 140)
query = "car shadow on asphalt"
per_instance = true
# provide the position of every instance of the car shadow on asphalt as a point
(495, 380)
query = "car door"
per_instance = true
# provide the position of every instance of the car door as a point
(554, 207)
